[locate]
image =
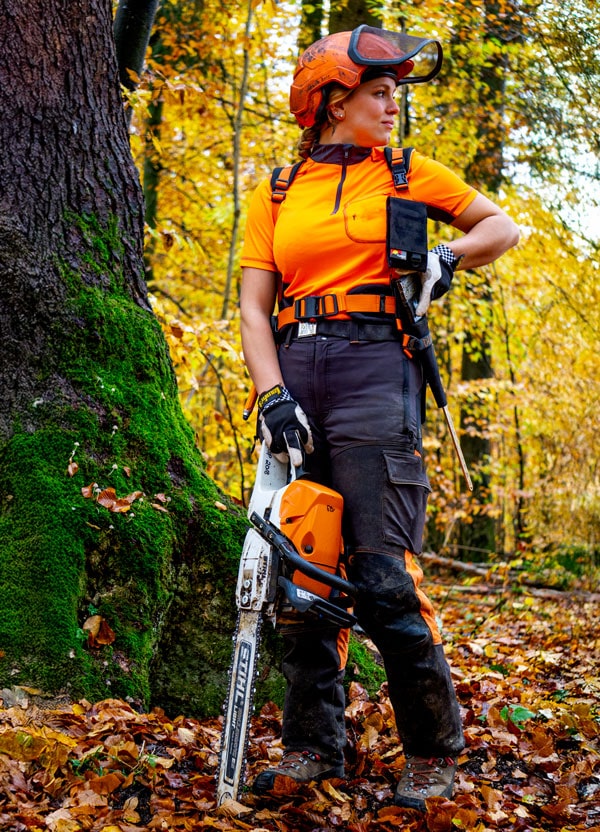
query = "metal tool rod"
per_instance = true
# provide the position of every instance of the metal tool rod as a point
(457, 448)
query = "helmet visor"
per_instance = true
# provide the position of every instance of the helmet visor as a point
(370, 46)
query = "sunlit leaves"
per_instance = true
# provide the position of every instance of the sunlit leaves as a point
(527, 71)
(531, 758)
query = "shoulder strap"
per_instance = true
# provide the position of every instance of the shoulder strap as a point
(281, 179)
(398, 159)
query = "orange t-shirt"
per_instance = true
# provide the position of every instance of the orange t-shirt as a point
(330, 230)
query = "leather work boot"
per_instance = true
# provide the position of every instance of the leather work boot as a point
(425, 777)
(301, 766)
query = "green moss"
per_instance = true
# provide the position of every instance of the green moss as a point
(363, 666)
(101, 246)
(41, 563)
(111, 406)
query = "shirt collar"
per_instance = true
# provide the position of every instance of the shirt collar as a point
(337, 154)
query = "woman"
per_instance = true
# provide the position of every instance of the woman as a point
(336, 379)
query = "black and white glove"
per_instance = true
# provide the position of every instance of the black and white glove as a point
(436, 280)
(283, 425)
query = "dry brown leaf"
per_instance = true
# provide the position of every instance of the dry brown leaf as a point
(107, 783)
(233, 809)
(99, 631)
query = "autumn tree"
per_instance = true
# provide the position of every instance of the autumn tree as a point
(539, 97)
(111, 534)
(486, 171)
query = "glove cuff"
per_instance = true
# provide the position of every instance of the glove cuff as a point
(270, 398)
(446, 255)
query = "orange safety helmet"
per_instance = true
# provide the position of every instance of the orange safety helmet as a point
(344, 57)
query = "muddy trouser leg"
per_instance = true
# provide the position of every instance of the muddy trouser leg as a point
(386, 527)
(313, 666)
(363, 401)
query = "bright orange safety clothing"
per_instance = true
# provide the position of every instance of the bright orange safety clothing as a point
(330, 231)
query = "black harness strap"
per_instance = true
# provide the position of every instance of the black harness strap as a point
(398, 159)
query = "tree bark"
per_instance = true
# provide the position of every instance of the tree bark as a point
(346, 16)
(133, 24)
(88, 397)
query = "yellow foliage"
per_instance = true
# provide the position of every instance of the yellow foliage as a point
(209, 133)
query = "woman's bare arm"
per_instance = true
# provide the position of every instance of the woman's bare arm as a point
(488, 233)
(257, 301)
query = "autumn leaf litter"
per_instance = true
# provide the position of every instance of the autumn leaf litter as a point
(527, 676)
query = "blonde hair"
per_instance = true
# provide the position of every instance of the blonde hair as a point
(310, 135)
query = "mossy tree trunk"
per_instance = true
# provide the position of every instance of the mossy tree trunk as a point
(86, 379)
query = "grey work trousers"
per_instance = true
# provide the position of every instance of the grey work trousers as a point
(363, 402)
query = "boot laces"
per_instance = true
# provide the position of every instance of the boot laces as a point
(296, 759)
(419, 770)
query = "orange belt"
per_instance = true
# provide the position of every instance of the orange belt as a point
(325, 306)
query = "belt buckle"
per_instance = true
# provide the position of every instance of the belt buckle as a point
(306, 328)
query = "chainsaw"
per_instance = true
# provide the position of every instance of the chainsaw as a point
(290, 559)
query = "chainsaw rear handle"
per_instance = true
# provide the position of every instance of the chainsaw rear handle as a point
(288, 553)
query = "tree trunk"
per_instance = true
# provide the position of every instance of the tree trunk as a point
(133, 24)
(478, 538)
(89, 399)
(345, 16)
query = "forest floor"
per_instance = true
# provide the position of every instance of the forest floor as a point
(527, 671)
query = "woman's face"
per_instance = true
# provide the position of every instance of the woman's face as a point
(366, 117)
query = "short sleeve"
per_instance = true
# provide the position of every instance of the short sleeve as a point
(257, 249)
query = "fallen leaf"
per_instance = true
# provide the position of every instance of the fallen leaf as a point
(233, 809)
(99, 631)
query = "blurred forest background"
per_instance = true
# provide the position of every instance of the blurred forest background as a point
(515, 111)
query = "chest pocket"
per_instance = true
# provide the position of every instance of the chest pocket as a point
(365, 219)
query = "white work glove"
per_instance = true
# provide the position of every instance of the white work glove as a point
(283, 426)
(436, 280)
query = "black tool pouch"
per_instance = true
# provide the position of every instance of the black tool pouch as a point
(406, 234)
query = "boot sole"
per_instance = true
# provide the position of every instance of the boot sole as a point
(419, 803)
(265, 781)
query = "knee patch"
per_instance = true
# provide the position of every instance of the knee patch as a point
(389, 606)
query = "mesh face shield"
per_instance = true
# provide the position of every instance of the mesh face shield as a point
(377, 47)
(348, 58)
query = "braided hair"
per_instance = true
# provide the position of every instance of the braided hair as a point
(332, 95)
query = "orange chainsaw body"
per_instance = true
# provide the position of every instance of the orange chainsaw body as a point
(311, 516)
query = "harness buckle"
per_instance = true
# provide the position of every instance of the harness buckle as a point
(306, 329)
(315, 306)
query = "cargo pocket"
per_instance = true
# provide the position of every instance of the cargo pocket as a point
(404, 500)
